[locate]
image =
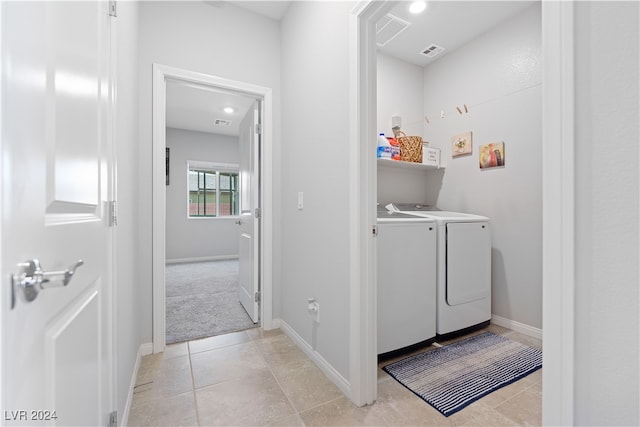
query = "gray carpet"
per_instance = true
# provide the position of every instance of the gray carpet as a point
(202, 300)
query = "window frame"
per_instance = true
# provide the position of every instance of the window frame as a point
(217, 169)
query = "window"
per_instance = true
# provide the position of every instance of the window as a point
(213, 189)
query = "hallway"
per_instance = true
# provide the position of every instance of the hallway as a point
(258, 377)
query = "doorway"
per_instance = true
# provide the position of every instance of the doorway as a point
(557, 199)
(204, 151)
(261, 268)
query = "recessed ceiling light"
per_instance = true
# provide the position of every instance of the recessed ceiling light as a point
(229, 110)
(417, 7)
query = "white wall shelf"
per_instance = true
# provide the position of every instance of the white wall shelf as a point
(398, 164)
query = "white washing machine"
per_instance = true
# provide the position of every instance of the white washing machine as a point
(463, 268)
(406, 246)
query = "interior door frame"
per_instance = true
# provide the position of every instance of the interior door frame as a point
(162, 73)
(363, 358)
(558, 212)
(4, 297)
(558, 199)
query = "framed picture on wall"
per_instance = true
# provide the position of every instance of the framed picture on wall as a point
(491, 155)
(461, 144)
(167, 165)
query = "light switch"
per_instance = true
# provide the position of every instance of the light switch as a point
(300, 200)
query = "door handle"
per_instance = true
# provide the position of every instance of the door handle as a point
(32, 279)
(239, 222)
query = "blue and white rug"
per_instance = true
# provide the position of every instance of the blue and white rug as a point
(452, 377)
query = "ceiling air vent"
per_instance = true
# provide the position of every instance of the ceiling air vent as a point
(432, 50)
(222, 122)
(388, 27)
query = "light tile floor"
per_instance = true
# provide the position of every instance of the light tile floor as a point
(260, 378)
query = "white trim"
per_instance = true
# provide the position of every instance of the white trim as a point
(144, 350)
(113, 197)
(201, 259)
(213, 218)
(160, 75)
(517, 326)
(158, 208)
(275, 324)
(335, 376)
(558, 218)
(362, 201)
(212, 166)
(4, 296)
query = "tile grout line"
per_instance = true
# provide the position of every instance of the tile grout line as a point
(197, 353)
(263, 357)
(254, 343)
(299, 413)
(516, 395)
(278, 382)
(324, 403)
(495, 408)
(193, 385)
(222, 346)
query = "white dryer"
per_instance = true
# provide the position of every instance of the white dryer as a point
(463, 268)
(406, 246)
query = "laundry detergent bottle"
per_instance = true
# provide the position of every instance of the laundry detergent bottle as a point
(384, 147)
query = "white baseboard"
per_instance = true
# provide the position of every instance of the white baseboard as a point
(143, 350)
(274, 324)
(328, 370)
(200, 259)
(517, 326)
(146, 349)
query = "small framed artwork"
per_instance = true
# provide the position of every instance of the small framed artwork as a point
(491, 155)
(461, 144)
(167, 165)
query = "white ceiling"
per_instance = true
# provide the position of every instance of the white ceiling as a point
(271, 9)
(195, 108)
(449, 24)
(274, 9)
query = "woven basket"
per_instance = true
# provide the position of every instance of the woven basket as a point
(410, 147)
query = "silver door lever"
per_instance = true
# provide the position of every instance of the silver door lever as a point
(32, 279)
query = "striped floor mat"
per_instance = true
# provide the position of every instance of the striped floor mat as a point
(454, 376)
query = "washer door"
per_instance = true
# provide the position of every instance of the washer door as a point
(468, 262)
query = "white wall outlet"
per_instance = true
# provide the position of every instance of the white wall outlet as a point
(313, 307)
(300, 200)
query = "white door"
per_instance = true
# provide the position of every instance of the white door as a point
(56, 173)
(248, 279)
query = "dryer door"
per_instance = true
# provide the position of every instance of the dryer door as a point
(468, 262)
